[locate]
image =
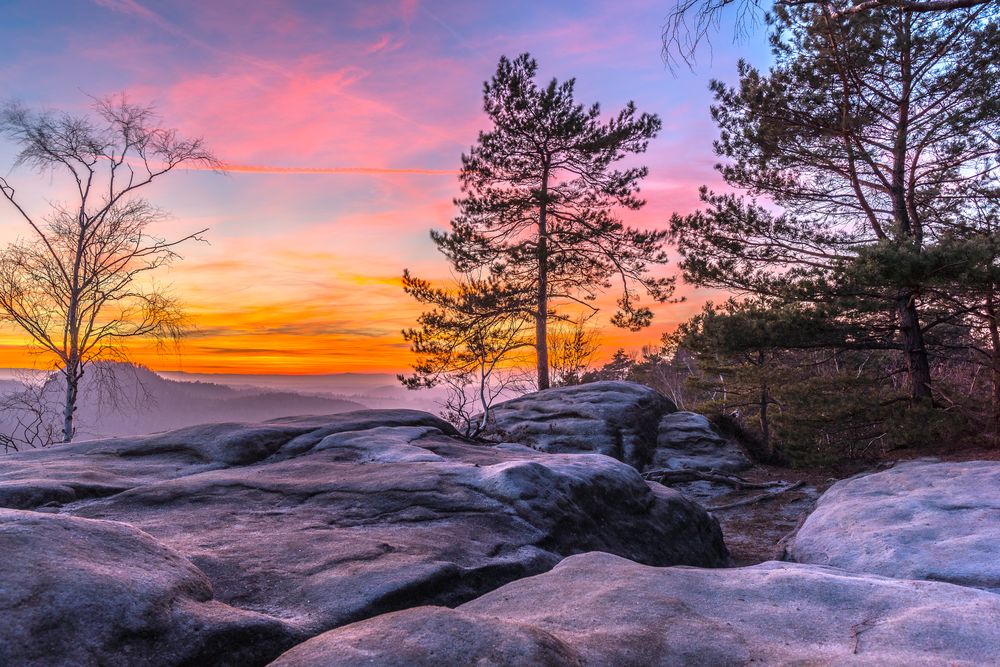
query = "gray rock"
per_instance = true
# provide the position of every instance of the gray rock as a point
(81, 592)
(919, 520)
(315, 523)
(687, 440)
(97, 468)
(598, 609)
(617, 419)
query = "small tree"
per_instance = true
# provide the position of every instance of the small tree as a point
(755, 357)
(618, 368)
(467, 342)
(76, 283)
(29, 416)
(572, 346)
(540, 191)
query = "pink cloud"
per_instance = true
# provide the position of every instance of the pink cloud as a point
(272, 169)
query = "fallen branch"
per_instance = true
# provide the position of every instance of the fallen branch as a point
(680, 476)
(757, 499)
(781, 548)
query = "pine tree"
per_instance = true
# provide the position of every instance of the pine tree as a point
(540, 195)
(864, 134)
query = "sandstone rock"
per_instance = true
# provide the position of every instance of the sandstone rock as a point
(598, 609)
(686, 440)
(81, 592)
(319, 522)
(97, 468)
(918, 520)
(617, 419)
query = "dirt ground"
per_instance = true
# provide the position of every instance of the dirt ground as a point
(755, 532)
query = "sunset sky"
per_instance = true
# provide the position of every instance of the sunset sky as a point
(344, 123)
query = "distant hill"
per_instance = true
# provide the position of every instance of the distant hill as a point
(146, 402)
(375, 390)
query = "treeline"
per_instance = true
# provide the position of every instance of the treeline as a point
(857, 235)
(860, 233)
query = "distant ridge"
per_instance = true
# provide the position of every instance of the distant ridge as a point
(148, 402)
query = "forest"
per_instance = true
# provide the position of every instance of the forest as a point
(853, 248)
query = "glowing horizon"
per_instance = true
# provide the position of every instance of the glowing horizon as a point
(341, 129)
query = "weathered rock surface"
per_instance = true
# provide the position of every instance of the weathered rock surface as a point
(623, 420)
(686, 440)
(598, 609)
(314, 523)
(81, 592)
(617, 419)
(97, 468)
(918, 520)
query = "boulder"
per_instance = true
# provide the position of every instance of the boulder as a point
(617, 419)
(599, 609)
(917, 520)
(315, 523)
(686, 440)
(80, 592)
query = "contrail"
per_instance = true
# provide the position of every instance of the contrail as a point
(267, 169)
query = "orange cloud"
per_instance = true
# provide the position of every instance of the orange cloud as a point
(302, 274)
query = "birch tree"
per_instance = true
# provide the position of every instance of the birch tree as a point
(78, 281)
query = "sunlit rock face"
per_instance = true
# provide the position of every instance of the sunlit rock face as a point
(598, 609)
(295, 527)
(919, 520)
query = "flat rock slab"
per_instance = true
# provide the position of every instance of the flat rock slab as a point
(617, 419)
(598, 609)
(305, 525)
(98, 468)
(686, 440)
(918, 520)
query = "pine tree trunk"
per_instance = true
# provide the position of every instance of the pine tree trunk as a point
(765, 398)
(908, 229)
(542, 303)
(994, 327)
(917, 364)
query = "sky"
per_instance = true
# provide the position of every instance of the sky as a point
(343, 124)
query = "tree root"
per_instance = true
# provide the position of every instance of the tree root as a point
(756, 499)
(664, 476)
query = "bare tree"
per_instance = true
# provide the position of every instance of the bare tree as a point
(29, 416)
(468, 403)
(468, 342)
(572, 346)
(78, 284)
(690, 23)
